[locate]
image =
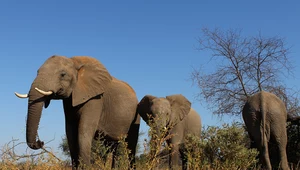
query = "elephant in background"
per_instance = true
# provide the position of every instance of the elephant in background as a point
(265, 117)
(94, 102)
(175, 110)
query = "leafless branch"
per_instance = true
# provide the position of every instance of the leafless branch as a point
(9, 151)
(249, 64)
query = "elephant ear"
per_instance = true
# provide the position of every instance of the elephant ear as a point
(144, 107)
(92, 79)
(180, 105)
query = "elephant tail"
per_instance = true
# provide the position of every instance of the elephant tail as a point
(263, 120)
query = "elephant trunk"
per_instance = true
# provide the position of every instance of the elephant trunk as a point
(35, 106)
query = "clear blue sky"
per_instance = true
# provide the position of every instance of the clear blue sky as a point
(151, 45)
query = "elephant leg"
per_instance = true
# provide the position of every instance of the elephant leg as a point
(174, 157)
(72, 136)
(176, 134)
(86, 133)
(71, 125)
(85, 145)
(264, 149)
(281, 143)
(87, 127)
(114, 154)
(252, 141)
(112, 149)
(132, 140)
(183, 158)
(283, 157)
(256, 136)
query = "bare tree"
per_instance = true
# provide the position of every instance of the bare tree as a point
(247, 65)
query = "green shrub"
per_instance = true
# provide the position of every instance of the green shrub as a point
(153, 157)
(293, 146)
(221, 148)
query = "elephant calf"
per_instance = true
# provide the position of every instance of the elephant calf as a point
(173, 110)
(265, 117)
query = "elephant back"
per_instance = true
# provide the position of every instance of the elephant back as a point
(193, 123)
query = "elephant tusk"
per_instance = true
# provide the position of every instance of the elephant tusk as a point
(21, 95)
(46, 93)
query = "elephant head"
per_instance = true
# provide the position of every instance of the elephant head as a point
(79, 78)
(163, 111)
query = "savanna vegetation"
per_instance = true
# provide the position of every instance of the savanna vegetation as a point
(219, 149)
(243, 66)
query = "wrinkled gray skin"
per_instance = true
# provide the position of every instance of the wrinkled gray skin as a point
(176, 110)
(265, 117)
(95, 103)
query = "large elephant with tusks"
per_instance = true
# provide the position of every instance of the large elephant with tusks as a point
(265, 117)
(95, 104)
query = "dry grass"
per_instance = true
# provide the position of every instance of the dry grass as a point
(41, 161)
(220, 148)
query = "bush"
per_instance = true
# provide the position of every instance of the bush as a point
(293, 146)
(102, 155)
(221, 148)
(155, 150)
(36, 161)
(224, 147)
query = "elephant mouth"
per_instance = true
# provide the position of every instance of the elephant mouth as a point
(47, 102)
(54, 96)
(47, 96)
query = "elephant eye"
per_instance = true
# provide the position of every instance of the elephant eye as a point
(62, 74)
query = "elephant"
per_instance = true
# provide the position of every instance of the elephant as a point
(265, 117)
(94, 102)
(172, 110)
